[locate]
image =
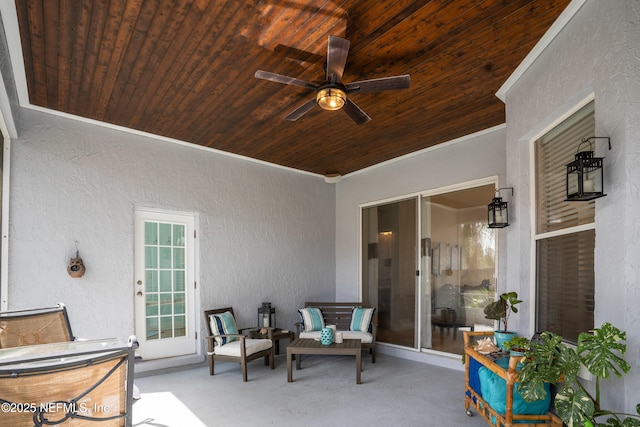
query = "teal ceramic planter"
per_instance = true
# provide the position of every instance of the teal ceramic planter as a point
(326, 336)
(502, 337)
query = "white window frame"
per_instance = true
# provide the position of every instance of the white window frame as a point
(535, 237)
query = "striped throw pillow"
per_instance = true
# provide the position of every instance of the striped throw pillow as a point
(312, 319)
(361, 319)
(223, 323)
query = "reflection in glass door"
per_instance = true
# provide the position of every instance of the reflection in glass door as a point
(459, 265)
(389, 269)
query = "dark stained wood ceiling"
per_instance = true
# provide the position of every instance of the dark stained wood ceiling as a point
(185, 69)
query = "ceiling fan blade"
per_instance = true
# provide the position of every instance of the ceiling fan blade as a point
(337, 52)
(377, 85)
(301, 110)
(355, 112)
(279, 78)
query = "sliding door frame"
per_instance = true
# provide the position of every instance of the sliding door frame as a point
(491, 180)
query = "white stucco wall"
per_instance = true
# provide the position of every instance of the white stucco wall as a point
(265, 233)
(597, 55)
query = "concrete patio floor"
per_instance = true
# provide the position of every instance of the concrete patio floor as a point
(394, 392)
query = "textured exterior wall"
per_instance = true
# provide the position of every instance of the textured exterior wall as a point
(477, 157)
(265, 234)
(596, 55)
(8, 95)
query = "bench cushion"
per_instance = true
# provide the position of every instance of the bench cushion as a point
(312, 319)
(364, 337)
(251, 345)
(222, 324)
(361, 319)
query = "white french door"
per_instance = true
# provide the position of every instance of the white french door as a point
(164, 285)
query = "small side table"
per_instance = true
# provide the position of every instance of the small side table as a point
(278, 334)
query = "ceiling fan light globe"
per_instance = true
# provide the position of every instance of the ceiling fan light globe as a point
(331, 98)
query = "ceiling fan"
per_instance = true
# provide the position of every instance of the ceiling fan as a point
(332, 93)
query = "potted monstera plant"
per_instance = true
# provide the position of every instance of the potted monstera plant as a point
(549, 359)
(500, 310)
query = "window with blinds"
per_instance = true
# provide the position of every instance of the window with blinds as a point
(565, 233)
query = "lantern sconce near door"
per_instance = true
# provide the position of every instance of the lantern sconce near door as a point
(584, 174)
(498, 211)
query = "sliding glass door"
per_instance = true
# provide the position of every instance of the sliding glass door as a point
(389, 269)
(429, 267)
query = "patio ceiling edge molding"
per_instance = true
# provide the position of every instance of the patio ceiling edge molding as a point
(542, 44)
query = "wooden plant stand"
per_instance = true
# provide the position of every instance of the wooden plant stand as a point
(473, 399)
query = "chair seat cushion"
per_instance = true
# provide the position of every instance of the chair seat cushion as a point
(252, 345)
(364, 337)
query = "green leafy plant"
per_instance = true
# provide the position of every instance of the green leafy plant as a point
(550, 360)
(518, 344)
(502, 308)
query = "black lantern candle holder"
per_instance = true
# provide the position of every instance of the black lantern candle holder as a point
(266, 316)
(498, 211)
(584, 175)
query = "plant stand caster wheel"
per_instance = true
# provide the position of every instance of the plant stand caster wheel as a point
(469, 413)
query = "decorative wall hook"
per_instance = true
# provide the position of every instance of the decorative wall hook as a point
(76, 267)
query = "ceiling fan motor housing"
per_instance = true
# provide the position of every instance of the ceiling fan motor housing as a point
(331, 96)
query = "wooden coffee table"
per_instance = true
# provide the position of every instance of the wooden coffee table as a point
(310, 346)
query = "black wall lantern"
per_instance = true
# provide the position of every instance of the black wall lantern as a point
(498, 211)
(584, 174)
(266, 316)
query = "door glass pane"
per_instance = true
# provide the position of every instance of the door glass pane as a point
(150, 233)
(165, 281)
(389, 270)
(151, 256)
(178, 280)
(459, 252)
(165, 257)
(178, 303)
(178, 235)
(166, 327)
(165, 234)
(165, 275)
(152, 328)
(151, 304)
(180, 329)
(178, 258)
(165, 304)
(151, 277)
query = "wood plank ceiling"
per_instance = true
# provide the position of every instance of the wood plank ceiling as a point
(185, 69)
